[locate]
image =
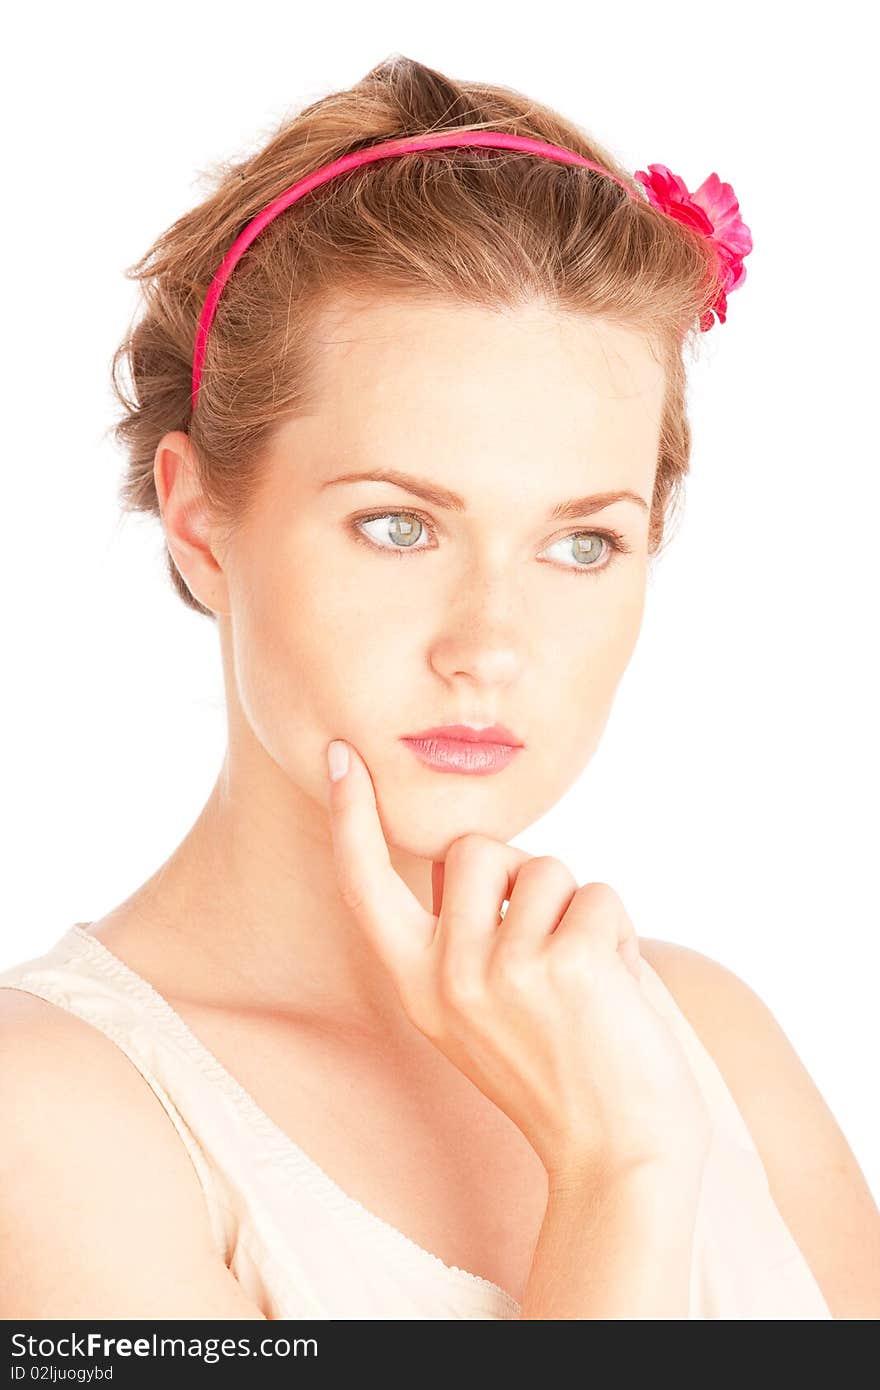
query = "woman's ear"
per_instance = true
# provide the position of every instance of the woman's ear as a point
(189, 534)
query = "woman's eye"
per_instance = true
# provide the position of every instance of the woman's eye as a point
(588, 548)
(406, 529)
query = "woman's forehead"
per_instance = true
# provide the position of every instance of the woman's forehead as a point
(460, 388)
(463, 341)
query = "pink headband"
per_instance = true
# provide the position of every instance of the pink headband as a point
(712, 209)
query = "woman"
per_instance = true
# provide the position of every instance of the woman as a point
(415, 460)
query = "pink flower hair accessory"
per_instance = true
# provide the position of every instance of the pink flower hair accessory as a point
(712, 210)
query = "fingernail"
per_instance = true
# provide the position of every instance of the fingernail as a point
(337, 759)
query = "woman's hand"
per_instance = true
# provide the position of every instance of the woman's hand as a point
(540, 1006)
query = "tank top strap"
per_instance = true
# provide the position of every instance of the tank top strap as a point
(726, 1114)
(747, 1263)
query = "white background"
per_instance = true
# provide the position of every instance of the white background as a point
(733, 802)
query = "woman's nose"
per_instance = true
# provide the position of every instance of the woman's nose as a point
(484, 632)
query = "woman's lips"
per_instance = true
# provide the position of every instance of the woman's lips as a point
(462, 755)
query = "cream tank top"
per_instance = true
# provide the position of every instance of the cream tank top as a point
(301, 1247)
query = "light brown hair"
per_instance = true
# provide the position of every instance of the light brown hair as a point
(480, 226)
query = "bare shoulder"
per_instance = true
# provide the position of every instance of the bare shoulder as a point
(814, 1176)
(101, 1210)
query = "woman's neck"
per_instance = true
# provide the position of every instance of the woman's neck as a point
(246, 913)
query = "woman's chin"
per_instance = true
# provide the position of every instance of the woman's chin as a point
(427, 832)
(423, 810)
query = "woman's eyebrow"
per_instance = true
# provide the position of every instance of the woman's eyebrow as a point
(452, 501)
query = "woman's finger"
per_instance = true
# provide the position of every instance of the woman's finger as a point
(541, 897)
(479, 875)
(598, 910)
(390, 913)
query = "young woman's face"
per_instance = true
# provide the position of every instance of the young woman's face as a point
(361, 608)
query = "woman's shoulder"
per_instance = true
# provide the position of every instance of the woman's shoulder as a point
(64, 1084)
(101, 1210)
(813, 1174)
(756, 1059)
